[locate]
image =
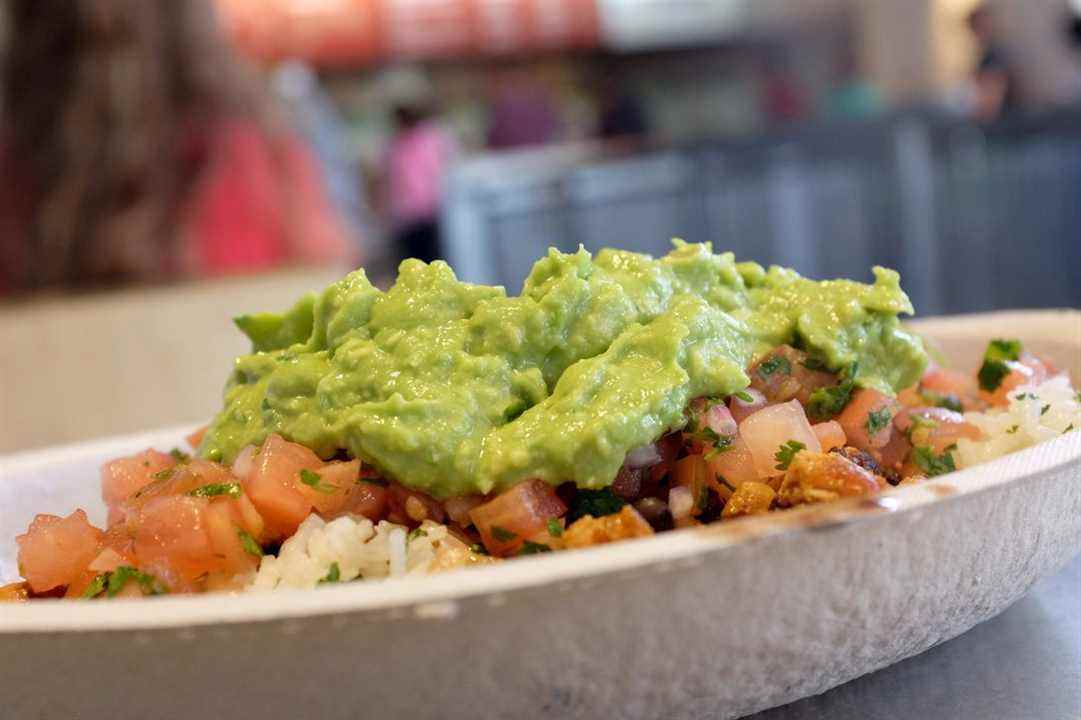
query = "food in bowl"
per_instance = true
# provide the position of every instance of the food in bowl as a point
(441, 424)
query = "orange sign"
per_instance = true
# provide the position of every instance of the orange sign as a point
(360, 31)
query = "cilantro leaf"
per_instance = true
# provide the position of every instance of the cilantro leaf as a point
(416, 533)
(743, 396)
(1012, 429)
(249, 543)
(774, 364)
(878, 420)
(532, 548)
(554, 528)
(315, 481)
(230, 489)
(787, 452)
(179, 455)
(334, 574)
(594, 502)
(826, 403)
(115, 581)
(96, 586)
(994, 369)
(1044, 409)
(942, 400)
(502, 534)
(932, 464)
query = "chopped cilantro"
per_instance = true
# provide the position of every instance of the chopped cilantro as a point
(1044, 409)
(813, 363)
(416, 533)
(164, 474)
(502, 534)
(111, 583)
(827, 403)
(722, 481)
(722, 444)
(214, 455)
(248, 543)
(948, 401)
(878, 420)
(231, 489)
(932, 464)
(554, 528)
(334, 574)
(1013, 429)
(743, 396)
(1068, 428)
(594, 502)
(787, 452)
(478, 549)
(315, 481)
(179, 455)
(994, 369)
(96, 586)
(1026, 396)
(774, 364)
(532, 548)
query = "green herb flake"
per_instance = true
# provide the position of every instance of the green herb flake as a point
(878, 420)
(248, 543)
(334, 574)
(1026, 396)
(215, 455)
(118, 579)
(96, 586)
(315, 481)
(554, 528)
(478, 549)
(164, 474)
(774, 364)
(932, 464)
(813, 363)
(995, 369)
(179, 455)
(1044, 409)
(1013, 429)
(501, 534)
(532, 548)
(1068, 428)
(722, 444)
(743, 396)
(721, 479)
(597, 503)
(416, 533)
(787, 452)
(948, 401)
(229, 489)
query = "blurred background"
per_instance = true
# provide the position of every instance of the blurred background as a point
(167, 163)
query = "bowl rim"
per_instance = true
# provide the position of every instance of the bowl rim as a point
(437, 596)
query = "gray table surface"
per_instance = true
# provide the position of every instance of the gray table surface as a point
(1024, 664)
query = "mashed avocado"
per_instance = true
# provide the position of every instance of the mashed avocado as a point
(453, 388)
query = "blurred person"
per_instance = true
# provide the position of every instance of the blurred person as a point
(134, 147)
(621, 112)
(523, 112)
(993, 86)
(417, 160)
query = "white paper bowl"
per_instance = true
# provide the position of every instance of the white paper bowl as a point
(715, 622)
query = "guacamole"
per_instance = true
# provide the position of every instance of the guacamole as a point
(453, 388)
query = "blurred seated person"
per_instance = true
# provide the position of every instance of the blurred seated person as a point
(994, 86)
(417, 159)
(134, 148)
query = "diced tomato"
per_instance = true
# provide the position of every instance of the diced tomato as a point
(123, 477)
(196, 438)
(505, 521)
(892, 455)
(274, 485)
(861, 429)
(458, 508)
(783, 374)
(412, 507)
(772, 427)
(951, 384)
(365, 498)
(731, 468)
(337, 481)
(1029, 370)
(940, 429)
(54, 551)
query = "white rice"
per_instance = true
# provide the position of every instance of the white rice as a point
(361, 550)
(1036, 413)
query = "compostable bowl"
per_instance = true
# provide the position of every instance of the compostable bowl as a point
(716, 622)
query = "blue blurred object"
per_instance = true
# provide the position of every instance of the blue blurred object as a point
(975, 218)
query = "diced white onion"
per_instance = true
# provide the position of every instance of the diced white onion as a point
(643, 456)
